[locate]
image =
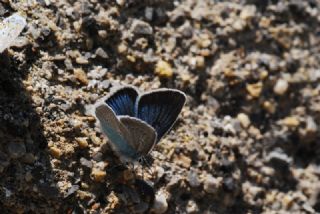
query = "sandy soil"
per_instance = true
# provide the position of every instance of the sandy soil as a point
(247, 140)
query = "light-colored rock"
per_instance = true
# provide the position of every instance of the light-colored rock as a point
(281, 87)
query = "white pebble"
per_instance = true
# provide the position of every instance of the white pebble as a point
(281, 87)
(160, 204)
(244, 120)
(10, 29)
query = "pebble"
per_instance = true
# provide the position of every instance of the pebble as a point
(269, 107)
(281, 87)
(212, 184)
(29, 158)
(141, 28)
(193, 179)
(86, 163)
(287, 201)
(160, 204)
(98, 175)
(82, 142)
(163, 69)
(254, 89)
(28, 177)
(16, 149)
(278, 158)
(80, 75)
(184, 161)
(103, 34)
(82, 61)
(244, 120)
(192, 207)
(101, 53)
(55, 152)
(248, 12)
(291, 121)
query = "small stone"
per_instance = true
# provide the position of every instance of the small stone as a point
(16, 149)
(86, 163)
(103, 34)
(254, 89)
(281, 87)
(82, 61)
(192, 207)
(141, 28)
(80, 75)
(184, 161)
(29, 158)
(131, 58)
(287, 201)
(248, 12)
(212, 184)
(160, 172)
(122, 48)
(164, 69)
(28, 177)
(160, 204)
(98, 175)
(269, 107)
(101, 53)
(95, 206)
(238, 24)
(278, 158)
(97, 156)
(148, 13)
(311, 127)
(244, 120)
(55, 152)
(121, 2)
(193, 179)
(82, 142)
(83, 195)
(291, 121)
(95, 140)
(72, 190)
(200, 61)
(229, 184)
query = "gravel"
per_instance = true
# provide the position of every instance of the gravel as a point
(246, 141)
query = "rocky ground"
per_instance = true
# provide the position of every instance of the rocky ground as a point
(247, 141)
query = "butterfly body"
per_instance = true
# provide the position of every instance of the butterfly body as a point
(134, 122)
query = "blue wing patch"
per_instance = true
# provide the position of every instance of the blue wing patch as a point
(160, 109)
(116, 133)
(122, 101)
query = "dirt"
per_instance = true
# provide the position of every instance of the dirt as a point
(247, 140)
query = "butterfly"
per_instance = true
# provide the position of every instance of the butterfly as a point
(135, 122)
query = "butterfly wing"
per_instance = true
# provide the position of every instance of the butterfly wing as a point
(116, 133)
(160, 109)
(143, 136)
(122, 100)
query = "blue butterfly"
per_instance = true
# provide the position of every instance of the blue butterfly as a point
(134, 122)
